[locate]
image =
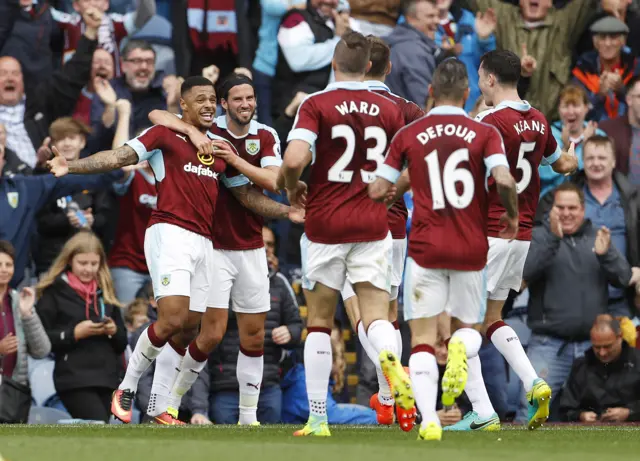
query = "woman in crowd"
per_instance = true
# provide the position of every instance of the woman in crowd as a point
(81, 315)
(572, 127)
(21, 333)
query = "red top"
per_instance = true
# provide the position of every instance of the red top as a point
(528, 142)
(138, 199)
(82, 112)
(7, 325)
(449, 156)
(112, 30)
(239, 228)
(349, 128)
(397, 214)
(186, 182)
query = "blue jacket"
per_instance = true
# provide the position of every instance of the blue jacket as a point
(472, 48)
(267, 52)
(295, 404)
(413, 56)
(21, 197)
(549, 179)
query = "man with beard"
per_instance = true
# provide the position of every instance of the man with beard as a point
(237, 237)
(139, 84)
(184, 269)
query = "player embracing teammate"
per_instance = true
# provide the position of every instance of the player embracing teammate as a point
(184, 269)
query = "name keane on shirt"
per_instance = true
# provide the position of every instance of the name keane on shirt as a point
(532, 125)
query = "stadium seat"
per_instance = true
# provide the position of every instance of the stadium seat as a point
(41, 381)
(45, 415)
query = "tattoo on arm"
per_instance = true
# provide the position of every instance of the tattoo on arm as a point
(104, 161)
(506, 189)
(259, 203)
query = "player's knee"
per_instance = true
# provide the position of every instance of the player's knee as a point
(252, 337)
(187, 335)
(210, 339)
(168, 326)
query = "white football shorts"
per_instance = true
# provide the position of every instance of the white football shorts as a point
(243, 277)
(180, 264)
(398, 256)
(505, 265)
(429, 292)
(333, 265)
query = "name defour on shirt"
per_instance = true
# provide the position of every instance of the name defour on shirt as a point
(450, 129)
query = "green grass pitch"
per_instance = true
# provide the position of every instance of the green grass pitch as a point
(271, 443)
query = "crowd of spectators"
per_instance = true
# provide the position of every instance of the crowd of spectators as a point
(82, 76)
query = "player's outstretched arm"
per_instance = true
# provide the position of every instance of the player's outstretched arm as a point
(106, 160)
(259, 203)
(567, 163)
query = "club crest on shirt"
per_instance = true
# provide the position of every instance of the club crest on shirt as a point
(252, 146)
(12, 198)
(165, 280)
(206, 159)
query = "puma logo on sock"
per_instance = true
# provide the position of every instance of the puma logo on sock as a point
(150, 360)
(256, 386)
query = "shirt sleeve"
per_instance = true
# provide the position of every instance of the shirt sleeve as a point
(394, 161)
(121, 188)
(494, 153)
(232, 178)
(306, 124)
(270, 152)
(146, 144)
(552, 151)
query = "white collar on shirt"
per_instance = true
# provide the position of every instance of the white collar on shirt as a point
(221, 122)
(447, 110)
(522, 106)
(376, 85)
(347, 86)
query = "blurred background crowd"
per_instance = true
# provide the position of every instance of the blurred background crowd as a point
(83, 75)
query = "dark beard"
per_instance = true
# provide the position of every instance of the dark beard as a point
(235, 118)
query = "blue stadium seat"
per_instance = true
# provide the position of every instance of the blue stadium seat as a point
(44, 415)
(41, 381)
